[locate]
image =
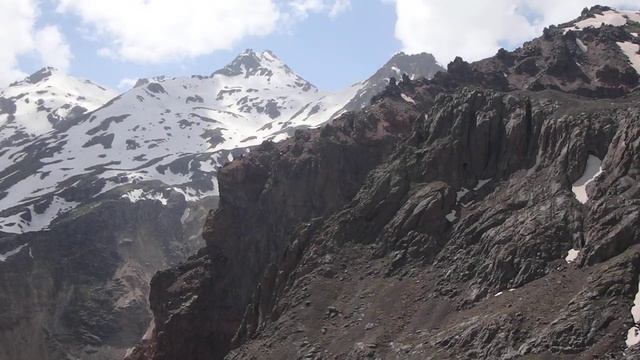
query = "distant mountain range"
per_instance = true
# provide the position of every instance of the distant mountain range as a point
(61, 133)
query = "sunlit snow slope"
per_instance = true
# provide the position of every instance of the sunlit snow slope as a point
(174, 130)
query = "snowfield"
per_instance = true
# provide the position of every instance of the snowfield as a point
(632, 51)
(610, 17)
(591, 172)
(64, 137)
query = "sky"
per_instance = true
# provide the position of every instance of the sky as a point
(332, 43)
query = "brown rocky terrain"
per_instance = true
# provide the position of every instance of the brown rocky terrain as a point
(434, 224)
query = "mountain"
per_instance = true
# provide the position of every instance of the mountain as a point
(491, 212)
(44, 101)
(175, 130)
(414, 66)
(111, 189)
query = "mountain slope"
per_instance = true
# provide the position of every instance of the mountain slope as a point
(176, 130)
(45, 100)
(414, 66)
(92, 206)
(447, 220)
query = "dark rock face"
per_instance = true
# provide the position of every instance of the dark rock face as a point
(324, 170)
(554, 61)
(394, 243)
(78, 290)
(432, 225)
(156, 88)
(104, 140)
(419, 65)
(7, 106)
(40, 75)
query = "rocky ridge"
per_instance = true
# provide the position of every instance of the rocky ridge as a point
(111, 189)
(453, 223)
(175, 130)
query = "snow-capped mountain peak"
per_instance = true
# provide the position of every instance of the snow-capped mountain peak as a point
(44, 101)
(172, 131)
(421, 65)
(52, 79)
(263, 64)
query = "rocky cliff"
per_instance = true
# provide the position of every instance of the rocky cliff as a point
(79, 289)
(491, 212)
(98, 192)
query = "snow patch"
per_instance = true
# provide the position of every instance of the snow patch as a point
(633, 335)
(610, 17)
(138, 194)
(460, 194)
(451, 217)
(591, 172)
(58, 207)
(572, 256)
(631, 51)
(581, 45)
(464, 191)
(185, 215)
(407, 98)
(635, 310)
(8, 254)
(481, 183)
(54, 95)
(498, 294)
(279, 138)
(149, 333)
(15, 224)
(195, 195)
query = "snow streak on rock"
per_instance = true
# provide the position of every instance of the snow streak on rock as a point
(591, 172)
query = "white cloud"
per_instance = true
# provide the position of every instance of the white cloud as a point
(152, 31)
(52, 48)
(155, 31)
(126, 83)
(18, 16)
(20, 37)
(302, 8)
(107, 53)
(339, 6)
(475, 29)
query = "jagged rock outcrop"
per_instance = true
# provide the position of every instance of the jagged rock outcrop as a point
(323, 170)
(462, 227)
(91, 182)
(506, 233)
(414, 66)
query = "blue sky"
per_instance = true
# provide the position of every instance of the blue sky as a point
(332, 43)
(332, 53)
